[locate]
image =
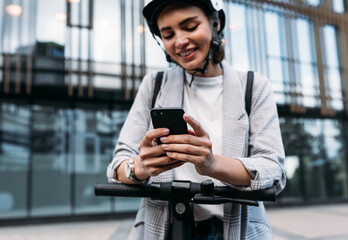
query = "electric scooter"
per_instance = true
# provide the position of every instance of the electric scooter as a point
(182, 195)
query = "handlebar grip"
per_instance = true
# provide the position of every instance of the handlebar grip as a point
(268, 194)
(122, 190)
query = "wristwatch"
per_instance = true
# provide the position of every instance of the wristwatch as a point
(130, 172)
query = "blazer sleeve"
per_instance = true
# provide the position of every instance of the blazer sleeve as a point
(266, 160)
(136, 125)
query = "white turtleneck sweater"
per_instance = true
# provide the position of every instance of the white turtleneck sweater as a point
(203, 101)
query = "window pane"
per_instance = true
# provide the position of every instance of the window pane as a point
(277, 67)
(315, 2)
(338, 6)
(332, 72)
(305, 43)
(236, 37)
(107, 31)
(51, 21)
(316, 166)
(310, 87)
(273, 35)
(330, 42)
(14, 159)
(154, 54)
(51, 136)
(92, 155)
(308, 65)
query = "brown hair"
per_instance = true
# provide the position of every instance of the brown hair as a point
(218, 54)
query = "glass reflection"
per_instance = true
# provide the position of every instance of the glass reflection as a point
(15, 144)
(237, 50)
(92, 153)
(315, 166)
(332, 72)
(277, 67)
(308, 65)
(51, 161)
(338, 6)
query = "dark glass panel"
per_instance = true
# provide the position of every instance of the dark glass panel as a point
(15, 143)
(51, 160)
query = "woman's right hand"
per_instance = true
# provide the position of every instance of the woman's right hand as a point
(152, 159)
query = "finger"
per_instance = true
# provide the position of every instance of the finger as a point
(152, 134)
(154, 142)
(161, 161)
(158, 170)
(185, 157)
(186, 139)
(151, 152)
(191, 132)
(196, 126)
(187, 149)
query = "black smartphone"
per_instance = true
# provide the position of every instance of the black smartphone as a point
(171, 118)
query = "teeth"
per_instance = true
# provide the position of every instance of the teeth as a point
(186, 53)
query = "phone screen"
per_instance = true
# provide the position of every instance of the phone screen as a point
(171, 118)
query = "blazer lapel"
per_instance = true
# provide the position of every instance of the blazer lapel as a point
(234, 120)
(171, 93)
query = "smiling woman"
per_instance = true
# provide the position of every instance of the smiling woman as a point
(184, 35)
(220, 132)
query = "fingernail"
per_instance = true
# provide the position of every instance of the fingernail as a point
(188, 117)
(164, 145)
(163, 139)
(169, 153)
(165, 131)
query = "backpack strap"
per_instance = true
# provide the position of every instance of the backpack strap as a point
(158, 84)
(249, 92)
(248, 96)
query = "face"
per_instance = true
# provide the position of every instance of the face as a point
(186, 35)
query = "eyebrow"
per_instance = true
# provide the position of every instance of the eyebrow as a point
(180, 24)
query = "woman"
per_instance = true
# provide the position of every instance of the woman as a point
(216, 148)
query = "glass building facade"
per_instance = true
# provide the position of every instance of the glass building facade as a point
(69, 71)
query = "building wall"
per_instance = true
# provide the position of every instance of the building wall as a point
(69, 71)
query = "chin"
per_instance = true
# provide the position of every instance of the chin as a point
(191, 66)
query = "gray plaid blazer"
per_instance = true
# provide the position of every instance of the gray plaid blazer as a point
(261, 131)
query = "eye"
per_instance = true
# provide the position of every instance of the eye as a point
(190, 29)
(168, 36)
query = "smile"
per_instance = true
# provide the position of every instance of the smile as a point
(184, 54)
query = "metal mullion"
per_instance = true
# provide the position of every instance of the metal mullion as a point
(263, 42)
(133, 47)
(89, 46)
(79, 59)
(250, 36)
(69, 43)
(2, 6)
(18, 55)
(343, 51)
(29, 58)
(288, 56)
(7, 60)
(30, 166)
(319, 53)
(297, 68)
(123, 49)
(142, 43)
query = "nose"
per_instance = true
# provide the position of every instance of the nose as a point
(181, 41)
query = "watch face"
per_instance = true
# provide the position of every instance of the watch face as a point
(128, 170)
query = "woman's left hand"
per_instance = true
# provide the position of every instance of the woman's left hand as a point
(194, 147)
